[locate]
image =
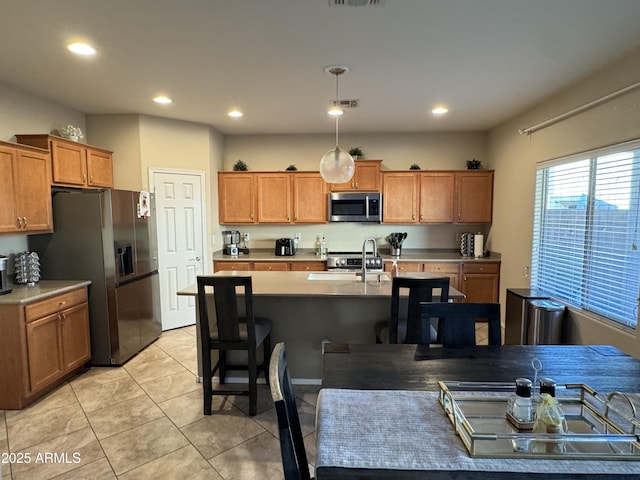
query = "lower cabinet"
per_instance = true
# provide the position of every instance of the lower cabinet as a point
(43, 344)
(479, 281)
(269, 266)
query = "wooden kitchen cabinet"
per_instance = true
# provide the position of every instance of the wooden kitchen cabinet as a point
(75, 164)
(309, 191)
(400, 197)
(236, 197)
(404, 266)
(445, 269)
(366, 177)
(480, 281)
(43, 344)
(233, 266)
(437, 197)
(269, 266)
(272, 197)
(25, 189)
(474, 196)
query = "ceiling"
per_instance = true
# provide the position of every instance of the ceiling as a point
(487, 60)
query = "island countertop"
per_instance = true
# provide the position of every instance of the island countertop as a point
(290, 283)
(23, 294)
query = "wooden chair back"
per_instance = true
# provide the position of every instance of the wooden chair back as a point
(228, 323)
(420, 290)
(457, 322)
(294, 456)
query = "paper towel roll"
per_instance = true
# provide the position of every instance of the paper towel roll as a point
(478, 245)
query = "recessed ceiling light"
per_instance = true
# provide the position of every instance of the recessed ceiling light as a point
(81, 48)
(235, 113)
(161, 99)
(440, 110)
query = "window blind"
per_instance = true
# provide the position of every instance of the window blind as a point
(586, 249)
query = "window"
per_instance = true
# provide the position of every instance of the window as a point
(585, 233)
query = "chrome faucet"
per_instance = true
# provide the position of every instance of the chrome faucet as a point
(364, 256)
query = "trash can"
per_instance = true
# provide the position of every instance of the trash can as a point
(545, 322)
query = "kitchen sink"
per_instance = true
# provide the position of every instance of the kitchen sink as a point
(348, 276)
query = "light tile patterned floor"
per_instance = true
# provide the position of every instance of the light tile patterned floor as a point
(144, 421)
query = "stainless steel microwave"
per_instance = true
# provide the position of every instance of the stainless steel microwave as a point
(355, 207)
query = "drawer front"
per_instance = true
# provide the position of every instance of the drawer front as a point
(308, 266)
(481, 267)
(271, 266)
(55, 304)
(442, 267)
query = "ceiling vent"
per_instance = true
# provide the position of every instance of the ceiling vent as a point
(356, 3)
(346, 103)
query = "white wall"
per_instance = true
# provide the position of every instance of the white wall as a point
(514, 158)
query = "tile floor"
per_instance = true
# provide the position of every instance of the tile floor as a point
(144, 421)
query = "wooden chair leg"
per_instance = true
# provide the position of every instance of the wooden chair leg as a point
(222, 365)
(207, 388)
(266, 346)
(253, 382)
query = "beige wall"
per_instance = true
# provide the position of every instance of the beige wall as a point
(514, 158)
(142, 142)
(430, 150)
(23, 112)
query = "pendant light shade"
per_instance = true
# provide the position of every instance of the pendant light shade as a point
(337, 166)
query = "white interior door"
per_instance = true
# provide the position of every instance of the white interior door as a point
(179, 207)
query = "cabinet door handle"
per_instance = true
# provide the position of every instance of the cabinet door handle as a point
(24, 222)
(19, 222)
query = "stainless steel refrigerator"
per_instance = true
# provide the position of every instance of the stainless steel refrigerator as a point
(100, 236)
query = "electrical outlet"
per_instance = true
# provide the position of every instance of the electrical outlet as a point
(246, 237)
(298, 237)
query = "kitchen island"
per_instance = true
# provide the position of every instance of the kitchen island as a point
(304, 312)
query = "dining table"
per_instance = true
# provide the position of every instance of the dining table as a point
(378, 414)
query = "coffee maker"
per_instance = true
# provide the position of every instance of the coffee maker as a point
(4, 280)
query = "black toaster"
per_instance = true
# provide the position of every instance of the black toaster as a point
(285, 247)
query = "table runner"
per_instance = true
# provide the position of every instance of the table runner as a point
(408, 430)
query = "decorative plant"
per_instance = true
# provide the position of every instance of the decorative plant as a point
(292, 167)
(70, 131)
(474, 164)
(240, 166)
(356, 152)
(414, 166)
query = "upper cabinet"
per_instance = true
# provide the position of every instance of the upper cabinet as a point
(437, 196)
(474, 198)
(75, 164)
(272, 197)
(236, 197)
(366, 177)
(25, 189)
(400, 197)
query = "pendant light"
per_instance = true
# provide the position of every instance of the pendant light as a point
(336, 166)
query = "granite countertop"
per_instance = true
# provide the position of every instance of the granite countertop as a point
(293, 284)
(408, 255)
(22, 294)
